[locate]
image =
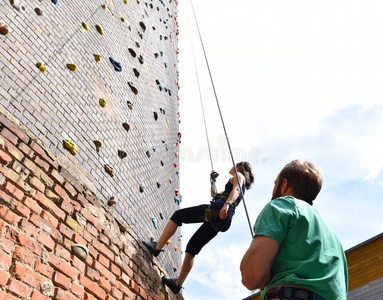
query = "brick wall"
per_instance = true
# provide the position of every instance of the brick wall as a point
(51, 198)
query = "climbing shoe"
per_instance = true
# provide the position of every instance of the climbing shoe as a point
(171, 284)
(152, 248)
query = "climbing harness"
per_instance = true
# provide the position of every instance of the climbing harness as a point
(220, 113)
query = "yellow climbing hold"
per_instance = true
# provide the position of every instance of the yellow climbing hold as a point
(68, 144)
(99, 29)
(86, 27)
(104, 7)
(126, 1)
(122, 19)
(41, 67)
(97, 57)
(102, 102)
(72, 67)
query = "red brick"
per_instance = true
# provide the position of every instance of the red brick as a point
(89, 297)
(92, 274)
(15, 152)
(92, 287)
(92, 219)
(104, 271)
(67, 206)
(19, 288)
(23, 256)
(66, 231)
(78, 264)
(41, 163)
(26, 150)
(105, 285)
(14, 191)
(27, 275)
(103, 249)
(70, 189)
(5, 261)
(5, 244)
(103, 238)
(32, 204)
(46, 240)
(82, 199)
(8, 296)
(143, 293)
(49, 205)
(4, 276)
(134, 286)
(43, 154)
(5, 159)
(14, 128)
(9, 136)
(128, 270)
(24, 240)
(109, 297)
(60, 294)
(57, 177)
(62, 252)
(78, 290)
(61, 192)
(50, 218)
(28, 227)
(8, 216)
(103, 260)
(61, 265)
(44, 269)
(41, 223)
(36, 295)
(115, 270)
(2, 179)
(23, 210)
(117, 294)
(37, 184)
(61, 280)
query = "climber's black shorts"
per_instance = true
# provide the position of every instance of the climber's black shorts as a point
(203, 235)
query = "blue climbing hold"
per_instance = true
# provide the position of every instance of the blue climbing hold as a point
(117, 66)
(155, 222)
(55, 2)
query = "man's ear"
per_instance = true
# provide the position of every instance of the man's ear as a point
(284, 186)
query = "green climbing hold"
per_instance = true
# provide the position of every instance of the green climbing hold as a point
(68, 144)
(99, 29)
(86, 27)
(72, 67)
(41, 67)
(102, 102)
(97, 57)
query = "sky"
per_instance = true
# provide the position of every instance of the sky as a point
(295, 80)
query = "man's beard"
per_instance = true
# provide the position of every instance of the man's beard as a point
(278, 192)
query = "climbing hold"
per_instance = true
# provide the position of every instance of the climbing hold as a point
(97, 57)
(122, 154)
(175, 269)
(130, 104)
(41, 67)
(38, 11)
(4, 29)
(99, 29)
(160, 87)
(126, 126)
(176, 154)
(141, 59)
(72, 67)
(155, 116)
(147, 153)
(162, 110)
(156, 55)
(138, 44)
(175, 248)
(176, 192)
(133, 88)
(175, 165)
(80, 251)
(177, 173)
(143, 26)
(168, 242)
(158, 185)
(136, 73)
(109, 170)
(126, 1)
(161, 216)
(177, 200)
(117, 66)
(86, 27)
(167, 147)
(141, 188)
(154, 148)
(55, 2)
(98, 144)
(132, 52)
(102, 102)
(170, 180)
(69, 145)
(122, 19)
(155, 222)
(18, 6)
(104, 7)
(162, 163)
(140, 35)
(112, 201)
(180, 237)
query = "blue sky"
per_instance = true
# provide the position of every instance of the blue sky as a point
(295, 79)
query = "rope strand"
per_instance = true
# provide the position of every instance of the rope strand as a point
(223, 123)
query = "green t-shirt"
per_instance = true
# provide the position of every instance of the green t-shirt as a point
(310, 255)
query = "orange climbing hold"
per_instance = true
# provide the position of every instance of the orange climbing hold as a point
(168, 242)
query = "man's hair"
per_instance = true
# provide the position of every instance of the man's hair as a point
(304, 178)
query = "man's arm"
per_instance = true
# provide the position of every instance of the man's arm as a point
(256, 263)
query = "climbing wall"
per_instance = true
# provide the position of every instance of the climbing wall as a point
(95, 84)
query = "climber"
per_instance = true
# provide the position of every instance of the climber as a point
(215, 217)
(294, 254)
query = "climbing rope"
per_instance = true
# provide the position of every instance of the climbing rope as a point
(220, 113)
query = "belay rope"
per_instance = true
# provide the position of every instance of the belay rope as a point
(220, 113)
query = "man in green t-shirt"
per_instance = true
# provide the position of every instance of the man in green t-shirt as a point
(294, 254)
